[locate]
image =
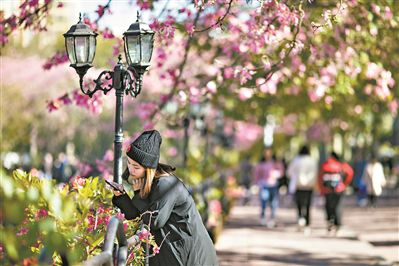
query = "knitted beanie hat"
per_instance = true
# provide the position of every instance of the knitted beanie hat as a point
(145, 149)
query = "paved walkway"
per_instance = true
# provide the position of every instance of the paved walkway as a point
(369, 237)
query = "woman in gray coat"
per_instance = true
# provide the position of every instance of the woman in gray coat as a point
(174, 215)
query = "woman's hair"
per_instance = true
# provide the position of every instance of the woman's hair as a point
(304, 150)
(151, 174)
(335, 156)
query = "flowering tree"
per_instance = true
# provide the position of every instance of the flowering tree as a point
(318, 66)
(304, 59)
(304, 62)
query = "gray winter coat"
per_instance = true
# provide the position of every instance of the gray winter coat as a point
(188, 242)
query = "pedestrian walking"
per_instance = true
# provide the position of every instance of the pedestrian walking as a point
(267, 173)
(302, 172)
(334, 177)
(174, 217)
(375, 180)
(358, 182)
(246, 178)
(47, 166)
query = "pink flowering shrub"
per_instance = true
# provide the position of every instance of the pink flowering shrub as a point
(69, 220)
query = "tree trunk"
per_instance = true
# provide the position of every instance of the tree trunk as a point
(395, 131)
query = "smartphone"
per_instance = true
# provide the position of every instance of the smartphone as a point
(115, 185)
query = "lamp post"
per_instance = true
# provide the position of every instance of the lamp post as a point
(80, 43)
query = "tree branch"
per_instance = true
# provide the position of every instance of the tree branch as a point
(107, 6)
(276, 66)
(219, 20)
(181, 68)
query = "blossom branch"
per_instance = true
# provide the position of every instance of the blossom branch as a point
(27, 19)
(328, 17)
(276, 66)
(219, 20)
(163, 9)
(181, 68)
(101, 11)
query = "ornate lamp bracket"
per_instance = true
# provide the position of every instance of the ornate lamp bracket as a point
(102, 83)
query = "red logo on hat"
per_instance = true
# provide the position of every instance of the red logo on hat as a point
(128, 148)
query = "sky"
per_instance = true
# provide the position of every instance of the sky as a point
(124, 12)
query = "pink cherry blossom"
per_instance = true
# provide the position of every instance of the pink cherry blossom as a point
(144, 4)
(3, 38)
(156, 250)
(23, 231)
(106, 220)
(328, 100)
(84, 169)
(53, 105)
(33, 3)
(116, 48)
(244, 74)
(394, 106)
(143, 234)
(190, 28)
(65, 99)
(373, 71)
(120, 216)
(386, 79)
(89, 23)
(161, 56)
(312, 96)
(175, 134)
(344, 125)
(148, 126)
(164, 98)
(388, 15)
(215, 207)
(358, 109)
(102, 166)
(77, 181)
(319, 132)
(145, 109)
(382, 92)
(57, 59)
(100, 10)
(155, 25)
(211, 87)
(108, 156)
(91, 223)
(107, 34)
(41, 213)
(228, 72)
(172, 152)
(246, 134)
(245, 93)
(194, 93)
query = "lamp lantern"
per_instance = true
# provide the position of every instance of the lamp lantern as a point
(80, 43)
(139, 43)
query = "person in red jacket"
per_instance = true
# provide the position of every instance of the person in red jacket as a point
(333, 178)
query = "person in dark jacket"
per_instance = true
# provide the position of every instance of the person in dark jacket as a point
(174, 217)
(334, 177)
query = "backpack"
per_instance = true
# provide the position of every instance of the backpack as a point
(332, 180)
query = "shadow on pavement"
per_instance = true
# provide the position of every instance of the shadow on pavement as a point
(384, 243)
(294, 257)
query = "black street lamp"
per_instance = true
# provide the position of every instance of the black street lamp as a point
(80, 43)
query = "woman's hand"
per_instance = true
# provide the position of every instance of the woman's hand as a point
(117, 192)
(138, 183)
